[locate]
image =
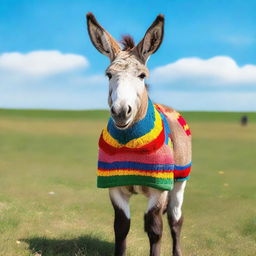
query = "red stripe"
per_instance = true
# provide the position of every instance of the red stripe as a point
(150, 147)
(188, 132)
(182, 174)
(159, 108)
(163, 155)
(182, 120)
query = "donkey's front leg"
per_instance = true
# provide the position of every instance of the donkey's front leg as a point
(153, 219)
(174, 214)
(120, 202)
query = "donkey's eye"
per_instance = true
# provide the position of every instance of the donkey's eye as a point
(142, 75)
(109, 75)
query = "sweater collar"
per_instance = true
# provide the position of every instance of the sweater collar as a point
(137, 130)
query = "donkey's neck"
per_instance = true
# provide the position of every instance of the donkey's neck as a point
(143, 107)
(137, 130)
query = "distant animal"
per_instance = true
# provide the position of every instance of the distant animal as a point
(244, 120)
(145, 147)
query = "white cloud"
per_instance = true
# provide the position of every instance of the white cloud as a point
(41, 63)
(207, 101)
(49, 79)
(219, 70)
(55, 99)
(92, 80)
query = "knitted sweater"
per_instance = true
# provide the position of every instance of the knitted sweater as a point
(139, 155)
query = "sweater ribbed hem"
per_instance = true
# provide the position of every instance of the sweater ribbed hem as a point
(116, 181)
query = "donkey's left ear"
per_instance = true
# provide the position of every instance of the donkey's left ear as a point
(152, 39)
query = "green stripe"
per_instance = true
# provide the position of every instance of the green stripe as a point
(131, 180)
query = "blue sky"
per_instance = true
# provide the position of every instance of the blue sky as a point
(207, 60)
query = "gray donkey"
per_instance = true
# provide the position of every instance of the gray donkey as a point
(129, 102)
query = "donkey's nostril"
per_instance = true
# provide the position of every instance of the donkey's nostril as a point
(113, 110)
(129, 109)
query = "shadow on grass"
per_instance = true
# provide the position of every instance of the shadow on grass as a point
(249, 228)
(82, 246)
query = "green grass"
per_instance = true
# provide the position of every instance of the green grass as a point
(50, 206)
(55, 114)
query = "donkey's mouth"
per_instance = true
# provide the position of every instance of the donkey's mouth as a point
(121, 126)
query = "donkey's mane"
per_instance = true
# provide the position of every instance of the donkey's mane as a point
(127, 42)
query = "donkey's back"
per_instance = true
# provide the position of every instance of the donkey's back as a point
(181, 139)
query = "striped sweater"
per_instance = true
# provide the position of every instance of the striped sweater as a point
(139, 155)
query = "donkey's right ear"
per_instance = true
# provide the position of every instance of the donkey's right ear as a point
(100, 38)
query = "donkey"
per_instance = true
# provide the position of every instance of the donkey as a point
(128, 102)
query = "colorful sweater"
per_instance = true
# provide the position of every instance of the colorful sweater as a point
(139, 155)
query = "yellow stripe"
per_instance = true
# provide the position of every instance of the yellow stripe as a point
(110, 140)
(138, 142)
(186, 127)
(164, 175)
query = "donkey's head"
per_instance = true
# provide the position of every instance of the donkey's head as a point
(128, 97)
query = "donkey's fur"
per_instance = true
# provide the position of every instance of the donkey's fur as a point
(128, 100)
(128, 43)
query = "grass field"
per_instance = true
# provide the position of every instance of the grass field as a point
(50, 206)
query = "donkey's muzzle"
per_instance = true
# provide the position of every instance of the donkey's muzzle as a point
(121, 115)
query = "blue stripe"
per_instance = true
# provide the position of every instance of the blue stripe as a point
(180, 168)
(182, 179)
(139, 129)
(135, 166)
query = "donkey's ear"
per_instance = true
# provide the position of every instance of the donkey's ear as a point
(152, 39)
(101, 39)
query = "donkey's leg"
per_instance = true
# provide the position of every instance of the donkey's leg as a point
(120, 202)
(153, 219)
(174, 214)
